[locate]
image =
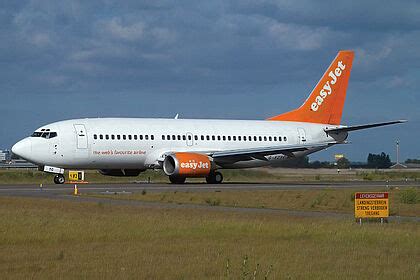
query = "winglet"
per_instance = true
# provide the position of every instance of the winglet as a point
(326, 101)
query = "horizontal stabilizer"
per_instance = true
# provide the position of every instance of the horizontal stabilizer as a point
(359, 127)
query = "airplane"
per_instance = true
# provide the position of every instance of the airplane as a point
(185, 148)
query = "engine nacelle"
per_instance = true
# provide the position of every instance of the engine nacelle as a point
(187, 165)
(121, 172)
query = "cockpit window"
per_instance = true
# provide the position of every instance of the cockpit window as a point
(44, 134)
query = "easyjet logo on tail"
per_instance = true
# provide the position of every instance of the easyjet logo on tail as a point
(327, 89)
(326, 102)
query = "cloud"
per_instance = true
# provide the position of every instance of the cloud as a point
(265, 55)
(129, 32)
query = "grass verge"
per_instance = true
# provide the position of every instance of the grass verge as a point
(45, 239)
(403, 201)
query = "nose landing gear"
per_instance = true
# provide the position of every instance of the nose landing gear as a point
(59, 179)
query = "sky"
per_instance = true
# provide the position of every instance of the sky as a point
(209, 59)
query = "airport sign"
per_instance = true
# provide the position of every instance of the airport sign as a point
(371, 205)
(76, 175)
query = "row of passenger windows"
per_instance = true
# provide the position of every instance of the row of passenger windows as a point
(190, 137)
(224, 138)
(123, 137)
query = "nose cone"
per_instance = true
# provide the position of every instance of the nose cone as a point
(23, 148)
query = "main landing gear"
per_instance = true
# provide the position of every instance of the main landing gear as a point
(59, 179)
(214, 178)
(177, 179)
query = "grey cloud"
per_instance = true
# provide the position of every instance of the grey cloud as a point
(237, 53)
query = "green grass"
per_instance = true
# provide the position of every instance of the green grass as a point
(45, 239)
(403, 201)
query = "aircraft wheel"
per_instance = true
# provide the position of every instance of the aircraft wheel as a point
(214, 178)
(59, 179)
(177, 179)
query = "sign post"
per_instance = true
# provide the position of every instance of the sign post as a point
(76, 176)
(371, 205)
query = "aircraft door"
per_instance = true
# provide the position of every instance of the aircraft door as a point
(81, 136)
(301, 135)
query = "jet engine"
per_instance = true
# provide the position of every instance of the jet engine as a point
(187, 165)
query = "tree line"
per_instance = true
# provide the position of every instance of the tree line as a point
(381, 161)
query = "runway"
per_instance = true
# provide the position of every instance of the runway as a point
(51, 190)
(64, 192)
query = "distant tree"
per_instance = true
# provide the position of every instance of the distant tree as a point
(378, 161)
(298, 162)
(417, 161)
(343, 163)
(320, 164)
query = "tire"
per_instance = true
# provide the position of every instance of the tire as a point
(59, 179)
(218, 177)
(177, 179)
(214, 178)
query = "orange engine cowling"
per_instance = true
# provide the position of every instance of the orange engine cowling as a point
(187, 165)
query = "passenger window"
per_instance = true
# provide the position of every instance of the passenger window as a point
(285, 138)
(213, 137)
(224, 138)
(141, 137)
(152, 137)
(228, 138)
(189, 137)
(260, 138)
(275, 138)
(129, 137)
(179, 137)
(280, 138)
(112, 136)
(184, 137)
(163, 137)
(173, 137)
(255, 138)
(270, 139)
(239, 138)
(101, 136)
(118, 137)
(107, 137)
(135, 137)
(218, 137)
(195, 137)
(234, 138)
(95, 136)
(244, 138)
(123, 137)
(207, 137)
(146, 137)
(202, 137)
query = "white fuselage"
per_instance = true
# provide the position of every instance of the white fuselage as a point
(134, 143)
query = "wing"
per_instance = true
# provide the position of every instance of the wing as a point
(260, 153)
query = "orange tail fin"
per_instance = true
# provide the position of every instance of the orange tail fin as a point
(326, 102)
